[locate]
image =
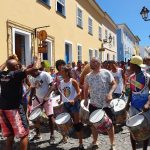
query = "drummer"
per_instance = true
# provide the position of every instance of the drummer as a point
(139, 94)
(119, 76)
(13, 119)
(41, 82)
(101, 85)
(71, 94)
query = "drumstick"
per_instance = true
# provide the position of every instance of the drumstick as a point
(137, 114)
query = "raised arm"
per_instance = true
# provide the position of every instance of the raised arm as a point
(36, 66)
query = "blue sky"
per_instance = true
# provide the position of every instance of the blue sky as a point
(128, 11)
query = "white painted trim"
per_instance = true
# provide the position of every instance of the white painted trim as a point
(66, 41)
(91, 49)
(79, 44)
(77, 16)
(50, 51)
(70, 51)
(28, 52)
(88, 53)
(97, 53)
(64, 6)
(80, 6)
(92, 24)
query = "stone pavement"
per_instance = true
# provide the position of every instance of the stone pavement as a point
(122, 141)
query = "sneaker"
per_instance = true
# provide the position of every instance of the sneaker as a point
(112, 147)
(92, 146)
(52, 140)
(81, 147)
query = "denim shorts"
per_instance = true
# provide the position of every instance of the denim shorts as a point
(72, 108)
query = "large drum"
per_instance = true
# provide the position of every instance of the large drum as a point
(36, 114)
(84, 113)
(100, 121)
(118, 109)
(64, 123)
(139, 127)
(58, 108)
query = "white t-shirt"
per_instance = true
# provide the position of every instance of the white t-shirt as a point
(68, 90)
(41, 83)
(99, 86)
(119, 80)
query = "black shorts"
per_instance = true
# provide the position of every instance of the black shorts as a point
(107, 110)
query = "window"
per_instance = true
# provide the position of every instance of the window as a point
(100, 33)
(46, 2)
(108, 57)
(114, 57)
(79, 17)
(90, 54)
(113, 40)
(100, 55)
(90, 26)
(106, 34)
(79, 53)
(96, 53)
(60, 7)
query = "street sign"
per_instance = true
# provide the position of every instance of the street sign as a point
(42, 49)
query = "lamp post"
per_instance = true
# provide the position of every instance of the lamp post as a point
(144, 13)
(109, 40)
(102, 49)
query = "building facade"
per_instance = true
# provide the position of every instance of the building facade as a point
(144, 51)
(74, 30)
(127, 43)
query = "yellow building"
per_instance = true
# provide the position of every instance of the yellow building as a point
(76, 30)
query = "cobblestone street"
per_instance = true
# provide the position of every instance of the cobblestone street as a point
(122, 141)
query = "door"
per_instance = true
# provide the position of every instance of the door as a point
(68, 53)
(20, 48)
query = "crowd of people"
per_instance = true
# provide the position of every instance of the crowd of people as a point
(24, 89)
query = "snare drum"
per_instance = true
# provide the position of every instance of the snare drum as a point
(118, 109)
(35, 114)
(64, 122)
(139, 127)
(84, 113)
(100, 121)
(58, 108)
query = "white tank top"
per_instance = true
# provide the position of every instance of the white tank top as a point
(68, 90)
(118, 77)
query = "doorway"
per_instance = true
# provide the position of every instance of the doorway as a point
(49, 54)
(20, 48)
(68, 53)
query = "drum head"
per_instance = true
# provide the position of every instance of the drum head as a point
(96, 116)
(62, 118)
(118, 104)
(135, 120)
(82, 105)
(35, 113)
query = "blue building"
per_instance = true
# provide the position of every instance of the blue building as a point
(127, 43)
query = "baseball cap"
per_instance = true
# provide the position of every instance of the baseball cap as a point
(137, 60)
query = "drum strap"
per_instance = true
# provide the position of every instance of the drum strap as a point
(37, 99)
(137, 84)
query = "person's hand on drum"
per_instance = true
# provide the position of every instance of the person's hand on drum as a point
(71, 102)
(146, 107)
(109, 98)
